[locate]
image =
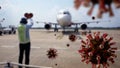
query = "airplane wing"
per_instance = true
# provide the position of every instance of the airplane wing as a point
(79, 23)
(83, 25)
(53, 23)
(48, 25)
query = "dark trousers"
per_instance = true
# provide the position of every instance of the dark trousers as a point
(24, 48)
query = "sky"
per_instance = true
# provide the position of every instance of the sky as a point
(46, 11)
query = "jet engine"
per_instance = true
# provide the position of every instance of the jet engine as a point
(47, 26)
(83, 26)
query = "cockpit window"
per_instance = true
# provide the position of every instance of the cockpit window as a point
(66, 13)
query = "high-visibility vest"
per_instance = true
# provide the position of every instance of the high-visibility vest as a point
(22, 34)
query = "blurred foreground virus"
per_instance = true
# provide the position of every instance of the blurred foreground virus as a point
(52, 53)
(98, 50)
(104, 6)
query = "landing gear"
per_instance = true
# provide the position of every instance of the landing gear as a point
(76, 28)
(55, 29)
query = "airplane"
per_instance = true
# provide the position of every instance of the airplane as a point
(1, 28)
(64, 20)
(7, 30)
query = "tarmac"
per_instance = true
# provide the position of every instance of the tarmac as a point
(42, 40)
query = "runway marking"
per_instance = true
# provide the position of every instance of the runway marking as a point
(59, 48)
(7, 46)
(35, 47)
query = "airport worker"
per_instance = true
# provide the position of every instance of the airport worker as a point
(24, 40)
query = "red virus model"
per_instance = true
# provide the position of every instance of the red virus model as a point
(72, 37)
(98, 49)
(52, 53)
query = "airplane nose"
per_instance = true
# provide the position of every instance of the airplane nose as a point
(64, 19)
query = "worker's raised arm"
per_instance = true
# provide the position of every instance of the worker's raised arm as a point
(30, 24)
